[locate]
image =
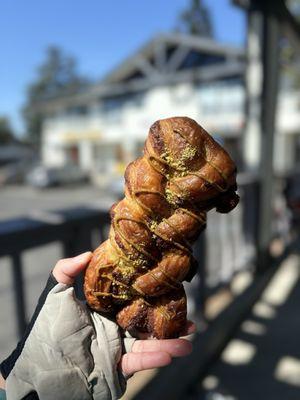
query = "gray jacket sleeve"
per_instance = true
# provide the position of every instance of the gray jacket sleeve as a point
(71, 353)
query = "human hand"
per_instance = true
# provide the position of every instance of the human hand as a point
(65, 272)
(2, 382)
(153, 353)
(66, 269)
(145, 354)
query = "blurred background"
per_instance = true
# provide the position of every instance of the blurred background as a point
(81, 83)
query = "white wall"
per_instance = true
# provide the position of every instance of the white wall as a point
(218, 106)
(53, 154)
(86, 160)
(288, 115)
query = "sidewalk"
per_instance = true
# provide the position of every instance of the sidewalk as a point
(262, 361)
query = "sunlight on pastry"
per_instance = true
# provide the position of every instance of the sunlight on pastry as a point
(137, 273)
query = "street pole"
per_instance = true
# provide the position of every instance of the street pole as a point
(270, 54)
(262, 87)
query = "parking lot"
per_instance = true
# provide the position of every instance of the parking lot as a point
(17, 201)
(23, 200)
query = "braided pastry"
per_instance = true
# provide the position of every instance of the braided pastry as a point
(136, 275)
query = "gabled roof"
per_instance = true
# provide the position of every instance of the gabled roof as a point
(166, 59)
(167, 52)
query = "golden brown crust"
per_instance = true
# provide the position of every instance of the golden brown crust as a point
(137, 273)
(163, 318)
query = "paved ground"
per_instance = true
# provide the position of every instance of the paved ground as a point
(35, 273)
(262, 361)
(21, 200)
(226, 252)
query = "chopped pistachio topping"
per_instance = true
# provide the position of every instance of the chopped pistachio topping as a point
(171, 197)
(153, 225)
(189, 152)
(179, 164)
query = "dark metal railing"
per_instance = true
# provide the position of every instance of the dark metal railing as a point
(229, 235)
(74, 229)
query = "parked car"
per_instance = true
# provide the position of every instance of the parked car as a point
(14, 173)
(43, 177)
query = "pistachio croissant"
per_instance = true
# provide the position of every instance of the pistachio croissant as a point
(136, 275)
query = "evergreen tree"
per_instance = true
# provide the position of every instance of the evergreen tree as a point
(56, 76)
(6, 132)
(289, 55)
(196, 20)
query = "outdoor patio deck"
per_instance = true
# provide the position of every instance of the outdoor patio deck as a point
(262, 360)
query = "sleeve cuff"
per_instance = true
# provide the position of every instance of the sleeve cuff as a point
(7, 365)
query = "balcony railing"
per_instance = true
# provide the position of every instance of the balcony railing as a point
(226, 248)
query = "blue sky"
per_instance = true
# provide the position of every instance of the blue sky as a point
(100, 34)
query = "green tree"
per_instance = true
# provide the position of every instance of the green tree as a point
(196, 20)
(289, 54)
(56, 76)
(6, 132)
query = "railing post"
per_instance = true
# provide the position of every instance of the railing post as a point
(270, 46)
(262, 89)
(196, 290)
(18, 285)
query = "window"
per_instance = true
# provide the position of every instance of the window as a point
(196, 59)
(117, 102)
(105, 156)
(77, 110)
(221, 97)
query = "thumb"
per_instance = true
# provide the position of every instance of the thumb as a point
(67, 269)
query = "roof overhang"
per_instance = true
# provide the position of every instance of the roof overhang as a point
(157, 70)
(204, 74)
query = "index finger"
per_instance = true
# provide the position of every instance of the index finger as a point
(174, 347)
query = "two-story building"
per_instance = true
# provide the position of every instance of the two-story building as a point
(104, 127)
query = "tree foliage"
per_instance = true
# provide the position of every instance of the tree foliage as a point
(6, 131)
(196, 20)
(56, 76)
(289, 54)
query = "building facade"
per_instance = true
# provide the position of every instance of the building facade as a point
(104, 128)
